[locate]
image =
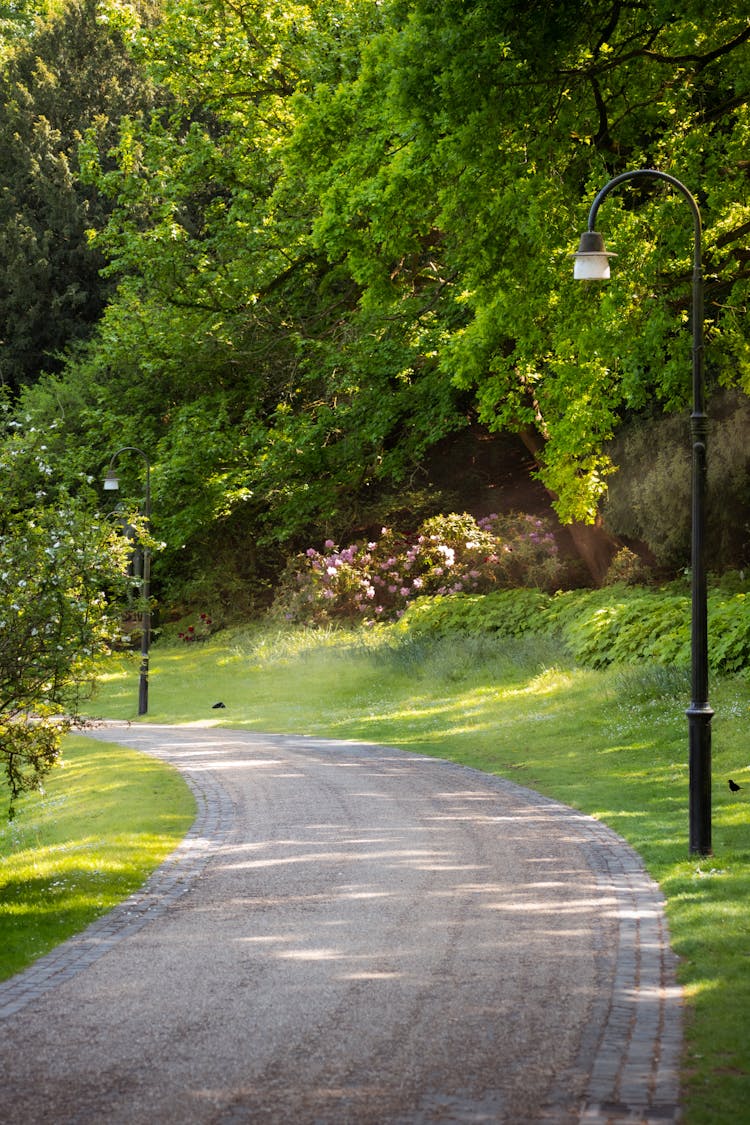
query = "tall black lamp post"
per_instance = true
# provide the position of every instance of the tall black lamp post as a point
(592, 263)
(112, 484)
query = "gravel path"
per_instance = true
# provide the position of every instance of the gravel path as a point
(353, 934)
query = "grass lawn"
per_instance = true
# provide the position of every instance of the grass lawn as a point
(613, 744)
(108, 817)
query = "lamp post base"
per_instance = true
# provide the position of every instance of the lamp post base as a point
(143, 687)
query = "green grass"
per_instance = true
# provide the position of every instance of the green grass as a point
(108, 817)
(611, 743)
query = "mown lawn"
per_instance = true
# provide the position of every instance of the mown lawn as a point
(107, 818)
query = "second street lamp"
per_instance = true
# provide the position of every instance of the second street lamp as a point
(112, 484)
(591, 264)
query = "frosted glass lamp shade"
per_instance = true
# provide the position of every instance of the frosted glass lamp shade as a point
(591, 259)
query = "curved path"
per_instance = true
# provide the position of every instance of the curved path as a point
(353, 934)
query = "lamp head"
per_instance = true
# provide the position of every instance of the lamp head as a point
(591, 258)
(111, 481)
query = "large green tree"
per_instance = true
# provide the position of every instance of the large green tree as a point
(72, 71)
(462, 162)
(350, 228)
(229, 348)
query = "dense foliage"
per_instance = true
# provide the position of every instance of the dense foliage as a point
(336, 231)
(73, 73)
(616, 625)
(61, 571)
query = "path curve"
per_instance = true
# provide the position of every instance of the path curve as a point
(353, 934)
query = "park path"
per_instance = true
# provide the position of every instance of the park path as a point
(353, 934)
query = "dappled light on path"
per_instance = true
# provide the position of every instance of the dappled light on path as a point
(372, 937)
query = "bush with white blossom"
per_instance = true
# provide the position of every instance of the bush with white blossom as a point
(60, 571)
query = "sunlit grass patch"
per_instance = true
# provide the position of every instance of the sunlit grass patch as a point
(108, 817)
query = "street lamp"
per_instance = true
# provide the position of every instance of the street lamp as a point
(112, 484)
(591, 264)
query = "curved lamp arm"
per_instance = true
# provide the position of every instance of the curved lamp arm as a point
(112, 482)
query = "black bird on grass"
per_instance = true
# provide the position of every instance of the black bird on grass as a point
(214, 706)
(734, 786)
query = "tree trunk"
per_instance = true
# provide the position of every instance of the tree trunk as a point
(594, 544)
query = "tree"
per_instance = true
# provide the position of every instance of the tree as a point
(347, 231)
(495, 139)
(228, 346)
(60, 568)
(74, 71)
(460, 164)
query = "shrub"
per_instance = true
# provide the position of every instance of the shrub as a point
(627, 569)
(509, 613)
(648, 498)
(450, 554)
(617, 625)
(63, 573)
(200, 631)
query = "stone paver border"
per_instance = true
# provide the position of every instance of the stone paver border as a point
(210, 829)
(630, 1056)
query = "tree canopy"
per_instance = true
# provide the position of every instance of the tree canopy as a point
(338, 231)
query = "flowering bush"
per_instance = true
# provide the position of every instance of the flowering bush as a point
(200, 632)
(452, 554)
(59, 573)
(63, 576)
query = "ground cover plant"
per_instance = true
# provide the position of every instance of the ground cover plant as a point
(107, 818)
(611, 741)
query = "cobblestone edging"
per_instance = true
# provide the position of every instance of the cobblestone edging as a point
(210, 829)
(630, 1059)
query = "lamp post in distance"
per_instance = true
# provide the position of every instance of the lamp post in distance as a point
(592, 264)
(112, 484)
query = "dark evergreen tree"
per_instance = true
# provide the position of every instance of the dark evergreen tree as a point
(75, 72)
